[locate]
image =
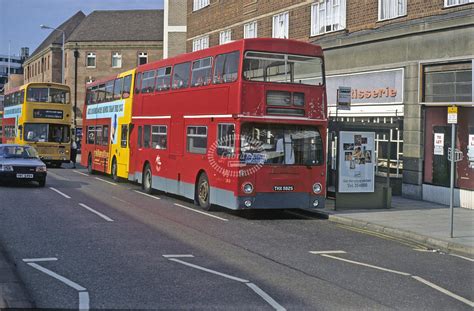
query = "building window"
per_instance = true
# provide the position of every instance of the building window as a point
(199, 4)
(197, 139)
(448, 3)
(327, 16)
(447, 83)
(250, 30)
(116, 60)
(142, 58)
(392, 8)
(281, 25)
(225, 36)
(201, 43)
(90, 61)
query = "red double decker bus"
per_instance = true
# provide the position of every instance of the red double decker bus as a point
(241, 125)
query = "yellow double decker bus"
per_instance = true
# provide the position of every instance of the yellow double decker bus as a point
(107, 124)
(40, 115)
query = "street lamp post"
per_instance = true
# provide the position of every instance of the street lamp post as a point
(62, 49)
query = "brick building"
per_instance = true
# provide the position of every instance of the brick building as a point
(420, 50)
(107, 43)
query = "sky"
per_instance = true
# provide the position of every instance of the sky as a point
(20, 19)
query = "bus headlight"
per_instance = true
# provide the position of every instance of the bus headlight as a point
(6, 168)
(247, 188)
(41, 169)
(317, 188)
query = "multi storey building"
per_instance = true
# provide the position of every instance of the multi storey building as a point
(106, 43)
(14, 63)
(405, 60)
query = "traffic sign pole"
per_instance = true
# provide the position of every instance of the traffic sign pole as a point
(451, 197)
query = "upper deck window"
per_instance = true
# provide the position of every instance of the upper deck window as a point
(127, 86)
(101, 94)
(47, 95)
(118, 88)
(283, 68)
(14, 99)
(109, 90)
(181, 75)
(226, 68)
(148, 81)
(163, 79)
(202, 72)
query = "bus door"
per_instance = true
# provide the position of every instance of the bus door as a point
(176, 153)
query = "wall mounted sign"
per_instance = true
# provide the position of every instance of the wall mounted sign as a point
(438, 144)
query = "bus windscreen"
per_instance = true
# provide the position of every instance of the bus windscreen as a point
(43, 132)
(283, 68)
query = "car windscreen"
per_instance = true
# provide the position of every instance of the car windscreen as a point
(23, 152)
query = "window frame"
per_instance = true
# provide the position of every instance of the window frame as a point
(446, 5)
(188, 136)
(201, 43)
(316, 17)
(141, 55)
(200, 4)
(159, 134)
(247, 27)
(277, 18)
(391, 2)
(91, 55)
(117, 56)
(225, 36)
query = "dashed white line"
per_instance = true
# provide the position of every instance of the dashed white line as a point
(179, 256)
(57, 277)
(444, 291)
(96, 212)
(203, 213)
(147, 195)
(327, 252)
(83, 301)
(40, 259)
(81, 173)
(366, 265)
(266, 297)
(210, 270)
(59, 192)
(106, 181)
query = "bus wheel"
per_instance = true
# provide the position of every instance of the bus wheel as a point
(147, 180)
(89, 165)
(114, 170)
(203, 192)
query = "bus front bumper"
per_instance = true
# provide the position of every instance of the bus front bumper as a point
(276, 200)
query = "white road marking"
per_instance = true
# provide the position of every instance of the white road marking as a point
(200, 212)
(81, 173)
(61, 193)
(327, 252)
(95, 212)
(57, 277)
(120, 200)
(147, 195)
(39, 259)
(366, 265)
(465, 258)
(254, 287)
(425, 250)
(109, 182)
(444, 291)
(266, 297)
(83, 301)
(178, 256)
(209, 270)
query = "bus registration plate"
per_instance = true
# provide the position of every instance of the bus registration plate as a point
(24, 175)
(283, 188)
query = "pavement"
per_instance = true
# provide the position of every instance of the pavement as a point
(420, 221)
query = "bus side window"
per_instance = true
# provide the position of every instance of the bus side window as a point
(105, 135)
(140, 140)
(138, 80)
(109, 90)
(118, 88)
(124, 135)
(127, 86)
(226, 68)
(181, 75)
(91, 135)
(147, 136)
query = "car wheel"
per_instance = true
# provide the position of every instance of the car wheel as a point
(114, 170)
(203, 190)
(147, 182)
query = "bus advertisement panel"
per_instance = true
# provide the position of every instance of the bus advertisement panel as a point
(40, 115)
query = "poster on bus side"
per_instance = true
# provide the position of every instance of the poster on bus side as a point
(356, 162)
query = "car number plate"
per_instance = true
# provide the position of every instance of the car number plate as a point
(24, 175)
(283, 188)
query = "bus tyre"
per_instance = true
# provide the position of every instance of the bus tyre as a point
(147, 182)
(114, 170)
(89, 164)
(42, 182)
(203, 192)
